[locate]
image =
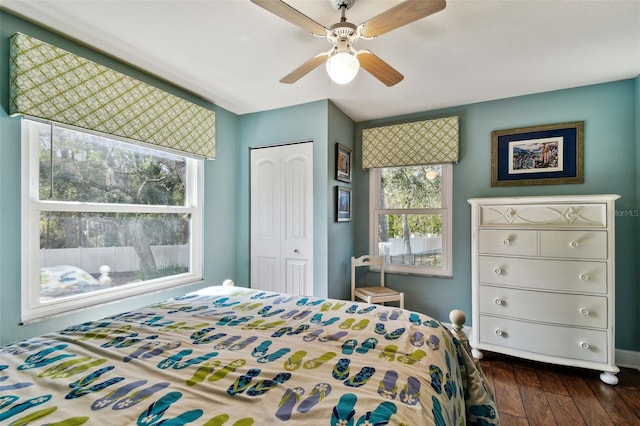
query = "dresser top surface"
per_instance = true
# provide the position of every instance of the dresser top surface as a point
(547, 199)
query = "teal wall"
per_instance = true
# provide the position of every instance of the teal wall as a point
(341, 130)
(220, 221)
(610, 166)
(301, 123)
(637, 182)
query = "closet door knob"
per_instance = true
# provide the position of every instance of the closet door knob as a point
(584, 277)
(584, 345)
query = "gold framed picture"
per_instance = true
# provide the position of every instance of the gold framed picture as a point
(551, 154)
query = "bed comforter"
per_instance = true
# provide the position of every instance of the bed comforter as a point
(236, 356)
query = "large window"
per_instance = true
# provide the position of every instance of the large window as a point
(411, 218)
(104, 219)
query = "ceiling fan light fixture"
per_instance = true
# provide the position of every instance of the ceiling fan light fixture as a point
(343, 61)
(342, 67)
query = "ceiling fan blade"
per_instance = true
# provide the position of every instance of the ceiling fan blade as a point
(379, 68)
(402, 14)
(305, 68)
(288, 13)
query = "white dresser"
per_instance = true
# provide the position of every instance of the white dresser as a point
(543, 280)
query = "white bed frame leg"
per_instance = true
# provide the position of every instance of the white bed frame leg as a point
(458, 318)
(476, 353)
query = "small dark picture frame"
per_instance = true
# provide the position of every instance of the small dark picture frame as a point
(551, 154)
(343, 204)
(343, 163)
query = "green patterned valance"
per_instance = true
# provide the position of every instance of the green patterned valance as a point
(408, 144)
(50, 83)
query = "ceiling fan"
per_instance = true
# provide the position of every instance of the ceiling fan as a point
(343, 60)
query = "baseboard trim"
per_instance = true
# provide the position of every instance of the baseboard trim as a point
(624, 358)
(628, 359)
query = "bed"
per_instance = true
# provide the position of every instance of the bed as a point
(235, 356)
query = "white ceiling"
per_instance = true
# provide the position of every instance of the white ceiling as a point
(233, 53)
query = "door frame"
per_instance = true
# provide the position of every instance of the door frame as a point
(308, 286)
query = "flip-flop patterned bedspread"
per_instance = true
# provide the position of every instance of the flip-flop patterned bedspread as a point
(236, 356)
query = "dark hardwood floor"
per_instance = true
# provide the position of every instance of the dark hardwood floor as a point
(531, 393)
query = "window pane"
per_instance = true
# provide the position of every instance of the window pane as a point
(134, 246)
(411, 187)
(411, 239)
(131, 233)
(83, 167)
(44, 141)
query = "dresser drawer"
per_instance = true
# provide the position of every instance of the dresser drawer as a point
(574, 244)
(549, 215)
(562, 275)
(508, 242)
(557, 308)
(566, 342)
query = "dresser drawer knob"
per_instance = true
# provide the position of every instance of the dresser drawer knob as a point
(584, 277)
(506, 242)
(584, 345)
(499, 301)
(498, 271)
(574, 244)
(585, 312)
(499, 332)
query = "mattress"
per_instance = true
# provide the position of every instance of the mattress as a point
(237, 356)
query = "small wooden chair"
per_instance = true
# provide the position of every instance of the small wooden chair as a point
(374, 294)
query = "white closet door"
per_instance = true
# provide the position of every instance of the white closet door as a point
(282, 218)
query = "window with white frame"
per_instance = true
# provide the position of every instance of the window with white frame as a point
(410, 223)
(103, 219)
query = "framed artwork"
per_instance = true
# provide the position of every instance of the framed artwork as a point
(551, 154)
(343, 163)
(343, 204)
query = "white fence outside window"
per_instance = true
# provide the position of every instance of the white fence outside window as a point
(395, 246)
(119, 259)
